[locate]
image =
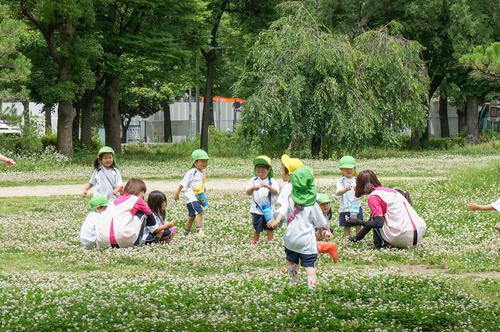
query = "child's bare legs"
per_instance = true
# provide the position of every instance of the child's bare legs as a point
(188, 226)
(358, 228)
(293, 270)
(347, 231)
(255, 237)
(269, 235)
(311, 277)
(197, 220)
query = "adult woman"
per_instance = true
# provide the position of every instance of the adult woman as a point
(394, 221)
(6, 160)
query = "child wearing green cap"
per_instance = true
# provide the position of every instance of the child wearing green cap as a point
(325, 234)
(194, 179)
(345, 190)
(98, 204)
(106, 178)
(264, 191)
(303, 215)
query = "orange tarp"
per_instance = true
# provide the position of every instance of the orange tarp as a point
(226, 99)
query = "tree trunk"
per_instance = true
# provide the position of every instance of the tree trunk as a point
(76, 123)
(26, 112)
(415, 140)
(472, 120)
(167, 124)
(111, 115)
(65, 115)
(208, 116)
(315, 146)
(443, 114)
(87, 103)
(462, 118)
(47, 110)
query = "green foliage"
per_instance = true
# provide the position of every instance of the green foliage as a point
(308, 82)
(14, 66)
(484, 62)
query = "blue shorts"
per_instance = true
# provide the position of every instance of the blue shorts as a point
(152, 238)
(305, 260)
(259, 223)
(343, 215)
(194, 208)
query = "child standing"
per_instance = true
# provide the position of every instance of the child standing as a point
(106, 178)
(98, 204)
(345, 189)
(264, 191)
(161, 231)
(325, 234)
(194, 179)
(303, 214)
(288, 166)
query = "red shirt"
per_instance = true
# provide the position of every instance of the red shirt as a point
(140, 205)
(376, 204)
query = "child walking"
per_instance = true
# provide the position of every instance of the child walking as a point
(194, 179)
(325, 234)
(303, 215)
(345, 189)
(161, 231)
(264, 191)
(106, 178)
(98, 204)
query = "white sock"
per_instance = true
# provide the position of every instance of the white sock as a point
(311, 281)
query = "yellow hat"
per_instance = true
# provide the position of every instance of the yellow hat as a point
(291, 164)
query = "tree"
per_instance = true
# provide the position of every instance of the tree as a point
(14, 66)
(312, 86)
(63, 25)
(484, 62)
(165, 31)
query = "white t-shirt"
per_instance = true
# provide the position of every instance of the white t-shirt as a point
(261, 196)
(88, 231)
(496, 205)
(300, 235)
(105, 180)
(348, 198)
(192, 179)
(285, 193)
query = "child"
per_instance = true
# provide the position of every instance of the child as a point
(124, 220)
(288, 166)
(264, 191)
(6, 160)
(106, 178)
(495, 206)
(161, 230)
(324, 234)
(345, 189)
(303, 215)
(192, 179)
(98, 204)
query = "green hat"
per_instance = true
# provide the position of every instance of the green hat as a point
(106, 149)
(198, 154)
(97, 201)
(347, 162)
(303, 187)
(323, 198)
(263, 161)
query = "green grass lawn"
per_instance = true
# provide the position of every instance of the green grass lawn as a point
(49, 282)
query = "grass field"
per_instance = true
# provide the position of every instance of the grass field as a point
(452, 282)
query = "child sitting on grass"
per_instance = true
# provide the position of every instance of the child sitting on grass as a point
(264, 191)
(98, 204)
(303, 215)
(161, 231)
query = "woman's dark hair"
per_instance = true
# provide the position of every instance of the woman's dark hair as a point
(405, 194)
(155, 200)
(97, 161)
(366, 181)
(135, 187)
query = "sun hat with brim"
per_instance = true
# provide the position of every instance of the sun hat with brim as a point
(263, 161)
(198, 155)
(347, 162)
(106, 149)
(291, 164)
(323, 198)
(303, 187)
(97, 201)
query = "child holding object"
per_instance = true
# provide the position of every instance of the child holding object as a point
(161, 231)
(264, 191)
(303, 215)
(349, 203)
(106, 178)
(193, 184)
(325, 234)
(98, 204)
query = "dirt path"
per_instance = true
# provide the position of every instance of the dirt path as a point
(218, 185)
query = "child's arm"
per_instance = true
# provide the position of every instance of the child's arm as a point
(250, 190)
(86, 188)
(271, 189)
(477, 207)
(177, 192)
(341, 190)
(6, 160)
(164, 227)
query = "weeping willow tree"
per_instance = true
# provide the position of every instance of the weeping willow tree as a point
(306, 85)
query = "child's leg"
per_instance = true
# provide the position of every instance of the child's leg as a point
(311, 277)
(347, 231)
(188, 226)
(358, 228)
(255, 237)
(197, 220)
(293, 271)
(269, 235)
